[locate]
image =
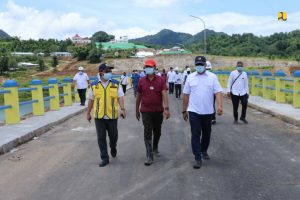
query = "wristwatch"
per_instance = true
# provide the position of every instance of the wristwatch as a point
(123, 109)
(183, 112)
(166, 108)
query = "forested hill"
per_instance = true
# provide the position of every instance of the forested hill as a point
(3, 35)
(277, 45)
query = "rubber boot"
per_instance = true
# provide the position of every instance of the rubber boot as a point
(149, 153)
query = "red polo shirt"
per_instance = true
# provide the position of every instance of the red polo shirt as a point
(151, 94)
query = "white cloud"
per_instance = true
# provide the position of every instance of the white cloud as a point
(155, 3)
(31, 23)
(134, 32)
(230, 23)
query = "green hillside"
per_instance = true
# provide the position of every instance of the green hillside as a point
(4, 35)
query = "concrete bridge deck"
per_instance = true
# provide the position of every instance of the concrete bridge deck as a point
(260, 160)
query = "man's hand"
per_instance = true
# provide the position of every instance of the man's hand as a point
(89, 117)
(123, 113)
(220, 110)
(185, 116)
(228, 94)
(138, 115)
(166, 114)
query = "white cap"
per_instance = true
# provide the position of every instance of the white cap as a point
(80, 68)
(188, 69)
(208, 65)
(176, 69)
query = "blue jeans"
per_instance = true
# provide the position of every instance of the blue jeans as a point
(200, 125)
(135, 89)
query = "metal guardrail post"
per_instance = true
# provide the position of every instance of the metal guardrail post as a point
(67, 91)
(12, 115)
(76, 95)
(53, 91)
(267, 93)
(296, 96)
(38, 107)
(280, 95)
(254, 82)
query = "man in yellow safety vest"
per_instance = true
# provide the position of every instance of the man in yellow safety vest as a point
(105, 98)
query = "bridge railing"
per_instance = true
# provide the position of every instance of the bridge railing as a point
(54, 92)
(276, 86)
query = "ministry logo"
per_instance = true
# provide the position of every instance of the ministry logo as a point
(282, 16)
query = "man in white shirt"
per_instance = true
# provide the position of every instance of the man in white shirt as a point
(198, 98)
(81, 81)
(171, 80)
(238, 90)
(178, 82)
(124, 82)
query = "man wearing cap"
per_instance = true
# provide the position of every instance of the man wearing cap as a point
(152, 102)
(178, 81)
(188, 72)
(238, 90)
(198, 97)
(106, 97)
(81, 81)
(171, 80)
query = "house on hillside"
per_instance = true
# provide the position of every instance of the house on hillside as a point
(26, 54)
(61, 54)
(78, 40)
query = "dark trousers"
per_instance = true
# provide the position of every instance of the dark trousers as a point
(82, 95)
(152, 126)
(124, 88)
(200, 125)
(111, 127)
(178, 90)
(235, 102)
(171, 88)
(135, 89)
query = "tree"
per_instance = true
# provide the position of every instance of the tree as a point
(3, 64)
(102, 36)
(81, 52)
(42, 65)
(54, 61)
(94, 55)
(12, 63)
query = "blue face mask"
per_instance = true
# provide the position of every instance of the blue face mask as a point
(200, 69)
(149, 70)
(81, 72)
(239, 68)
(107, 76)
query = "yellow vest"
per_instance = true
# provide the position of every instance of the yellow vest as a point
(106, 100)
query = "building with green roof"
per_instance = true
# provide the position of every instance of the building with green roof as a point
(119, 46)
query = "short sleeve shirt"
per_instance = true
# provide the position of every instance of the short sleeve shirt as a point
(81, 80)
(151, 94)
(201, 90)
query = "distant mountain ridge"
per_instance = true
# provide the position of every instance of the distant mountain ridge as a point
(4, 35)
(168, 37)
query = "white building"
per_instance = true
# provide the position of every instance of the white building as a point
(61, 54)
(77, 40)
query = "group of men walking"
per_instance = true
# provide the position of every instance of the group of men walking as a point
(201, 89)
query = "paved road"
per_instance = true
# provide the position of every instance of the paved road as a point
(260, 160)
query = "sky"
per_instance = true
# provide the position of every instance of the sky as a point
(61, 19)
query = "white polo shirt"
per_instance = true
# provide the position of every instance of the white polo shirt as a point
(81, 80)
(178, 78)
(124, 80)
(171, 77)
(201, 89)
(240, 86)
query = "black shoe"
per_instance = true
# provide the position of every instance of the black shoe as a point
(213, 122)
(113, 152)
(149, 161)
(205, 156)
(197, 164)
(103, 163)
(156, 153)
(244, 120)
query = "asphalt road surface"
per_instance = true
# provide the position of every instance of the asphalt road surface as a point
(260, 160)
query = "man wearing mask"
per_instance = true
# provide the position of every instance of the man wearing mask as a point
(135, 80)
(152, 102)
(198, 98)
(124, 82)
(81, 81)
(171, 80)
(238, 90)
(188, 72)
(106, 97)
(178, 81)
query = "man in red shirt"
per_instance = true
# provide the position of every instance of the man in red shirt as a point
(152, 102)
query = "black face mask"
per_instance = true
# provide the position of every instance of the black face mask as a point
(188, 72)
